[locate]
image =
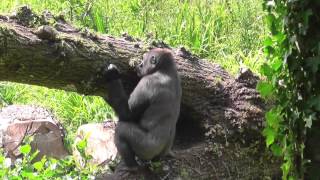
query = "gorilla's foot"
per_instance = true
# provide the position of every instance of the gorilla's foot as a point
(123, 167)
(170, 154)
(123, 172)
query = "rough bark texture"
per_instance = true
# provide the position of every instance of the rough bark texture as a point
(215, 106)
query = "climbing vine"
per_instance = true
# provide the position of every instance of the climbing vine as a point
(292, 71)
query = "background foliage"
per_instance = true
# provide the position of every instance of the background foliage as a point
(46, 168)
(292, 72)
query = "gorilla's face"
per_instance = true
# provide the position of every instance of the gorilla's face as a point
(148, 65)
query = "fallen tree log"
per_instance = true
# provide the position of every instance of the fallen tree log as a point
(45, 50)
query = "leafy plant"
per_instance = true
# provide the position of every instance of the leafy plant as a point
(46, 168)
(292, 71)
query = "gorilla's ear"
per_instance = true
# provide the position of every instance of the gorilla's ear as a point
(153, 60)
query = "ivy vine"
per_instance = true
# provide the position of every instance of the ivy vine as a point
(292, 71)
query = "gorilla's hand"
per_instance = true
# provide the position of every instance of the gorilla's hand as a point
(111, 73)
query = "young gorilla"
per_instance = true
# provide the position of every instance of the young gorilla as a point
(147, 119)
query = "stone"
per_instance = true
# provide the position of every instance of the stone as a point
(100, 142)
(19, 121)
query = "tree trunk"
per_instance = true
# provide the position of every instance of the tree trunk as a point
(215, 105)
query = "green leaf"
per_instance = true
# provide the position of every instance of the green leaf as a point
(53, 161)
(34, 155)
(2, 173)
(270, 135)
(49, 173)
(81, 145)
(276, 64)
(271, 22)
(276, 149)
(25, 149)
(268, 50)
(2, 158)
(270, 19)
(285, 169)
(13, 177)
(273, 119)
(268, 42)
(265, 88)
(27, 173)
(280, 37)
(292, 178)
(38, 165)
(266, 70)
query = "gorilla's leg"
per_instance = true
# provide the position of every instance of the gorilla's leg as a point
(125, 151)
(168, 150)
(132, 138)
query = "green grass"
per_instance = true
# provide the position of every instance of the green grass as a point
(227, 32)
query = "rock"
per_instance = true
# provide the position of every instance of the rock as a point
(19, 121)
(100, 142)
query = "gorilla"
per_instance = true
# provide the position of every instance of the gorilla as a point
(148, 117)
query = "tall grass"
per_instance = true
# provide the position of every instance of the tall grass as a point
(228, 32)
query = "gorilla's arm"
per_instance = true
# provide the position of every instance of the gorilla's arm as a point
(127, 109)
(118, 99)
(139, 100)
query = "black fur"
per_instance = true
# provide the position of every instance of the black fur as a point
(147, 119)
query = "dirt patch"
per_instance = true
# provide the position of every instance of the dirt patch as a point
(211, 161)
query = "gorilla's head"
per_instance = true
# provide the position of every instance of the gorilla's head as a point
(155, 60)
